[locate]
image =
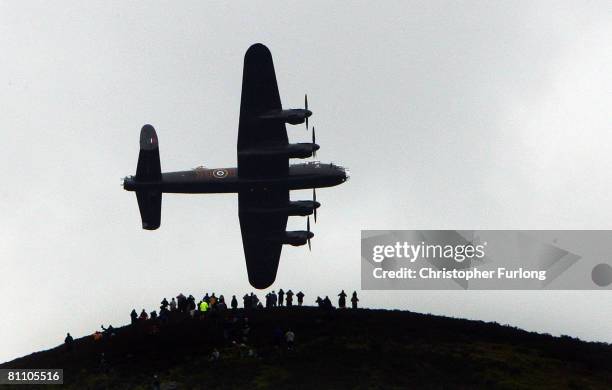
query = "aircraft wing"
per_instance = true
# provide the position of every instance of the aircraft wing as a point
(261, 253)
(260, 96)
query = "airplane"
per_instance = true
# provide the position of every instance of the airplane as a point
(262, 179)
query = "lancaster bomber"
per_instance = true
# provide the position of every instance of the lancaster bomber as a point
(262, 180)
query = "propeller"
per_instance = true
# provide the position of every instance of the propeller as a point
(314, 151)
(314, 201)
(308, 230)
(306, 108)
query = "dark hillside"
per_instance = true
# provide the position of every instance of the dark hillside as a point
(358, 349)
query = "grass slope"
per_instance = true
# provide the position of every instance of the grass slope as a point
(356, 349)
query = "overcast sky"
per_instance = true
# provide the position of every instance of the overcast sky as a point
(450, 115)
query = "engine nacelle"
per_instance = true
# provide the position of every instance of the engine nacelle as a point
(294, 238)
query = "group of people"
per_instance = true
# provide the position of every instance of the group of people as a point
(210, 303)
(283, 298)
(236, 328)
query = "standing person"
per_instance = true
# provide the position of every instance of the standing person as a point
(143, 315)
(191, 305)
(213, 300)
(274, 298)
(268, 300)
(246, 301)
(134, 316)
(327, 303)
(234, 302)
(354, 300)
(164, 304)
(173, 305)
(300, 297)
(68, 342)
(181, 302)
(289, 298)
(342, 300)
(289, 338)
(281, 296)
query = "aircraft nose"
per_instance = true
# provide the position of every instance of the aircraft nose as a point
(308, 113)
(128, 183)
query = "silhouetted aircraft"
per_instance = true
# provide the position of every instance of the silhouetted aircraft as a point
(262, 180)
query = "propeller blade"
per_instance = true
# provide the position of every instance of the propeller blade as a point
(314, 151)
(308, 229)
(314, 199)
(306, 108)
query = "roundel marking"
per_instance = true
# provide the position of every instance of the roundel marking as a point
(220, 173)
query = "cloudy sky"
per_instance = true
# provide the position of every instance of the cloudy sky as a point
(451, 115)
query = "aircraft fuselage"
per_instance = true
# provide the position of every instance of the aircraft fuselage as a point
(226, 180)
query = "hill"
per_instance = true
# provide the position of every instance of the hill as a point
(337, 349)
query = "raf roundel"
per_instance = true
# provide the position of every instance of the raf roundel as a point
(220, 173)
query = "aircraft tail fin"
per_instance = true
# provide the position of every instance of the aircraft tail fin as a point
(149, 170)
(149, 166)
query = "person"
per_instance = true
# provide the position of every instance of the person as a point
(134, 316)
(164, 304)
(143, 315)
(319, 302)
(254, 301)
(342, 300)
(153, 315)
(281, 296)
(246, 301)
(354, 300)
(274, 298)
(97, 335)
(214, 356)
(110, 331)
(213, 300)
(289, 295)
(221, 306)
(203, 306)
(68, 342)
(268, 300)
(234, 302)
(289, 338)
(163, 315)
(172, 305)
(300, 298)
(327, 303)
(191, 306)
(156, 382)
(181, 301)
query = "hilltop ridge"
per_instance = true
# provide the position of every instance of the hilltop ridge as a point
(350, 348)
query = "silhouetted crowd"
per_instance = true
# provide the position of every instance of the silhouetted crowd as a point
(212, 303)
(213, 309)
